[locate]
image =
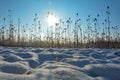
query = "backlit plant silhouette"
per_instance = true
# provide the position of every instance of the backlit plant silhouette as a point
(68, 33)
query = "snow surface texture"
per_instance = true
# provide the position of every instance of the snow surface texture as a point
(59, 64)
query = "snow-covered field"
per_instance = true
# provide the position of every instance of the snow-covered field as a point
(59, 64)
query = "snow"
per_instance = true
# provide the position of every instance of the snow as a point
(109, 71)
(59, 64)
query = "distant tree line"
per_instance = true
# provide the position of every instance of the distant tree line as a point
(67, 33)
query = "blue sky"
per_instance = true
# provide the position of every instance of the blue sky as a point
(63, 9)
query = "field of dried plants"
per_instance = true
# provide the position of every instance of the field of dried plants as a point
(69, 33)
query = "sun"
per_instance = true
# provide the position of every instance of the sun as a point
(52, 20)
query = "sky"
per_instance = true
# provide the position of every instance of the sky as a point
(63, 9)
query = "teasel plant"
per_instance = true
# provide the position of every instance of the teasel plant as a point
(59, 33)
(68, 28)
(26, 34)
(98, 26)
(80, 32)
(23, 37)
(98, 31)
(39, 32)
(108, 25)
(103, 35)
(19, 22)
(75, 35)
(115, 36)
(11, 29)
(75, 31)
(35, 29)
(62, 34)
(48, 33)
(88, 30)
(95, 32)
(65, 36)
(106, 32)
(3, 32)
(31, 36)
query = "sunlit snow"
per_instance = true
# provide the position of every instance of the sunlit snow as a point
(59, 64)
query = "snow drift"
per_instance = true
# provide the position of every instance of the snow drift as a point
(59, 64)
